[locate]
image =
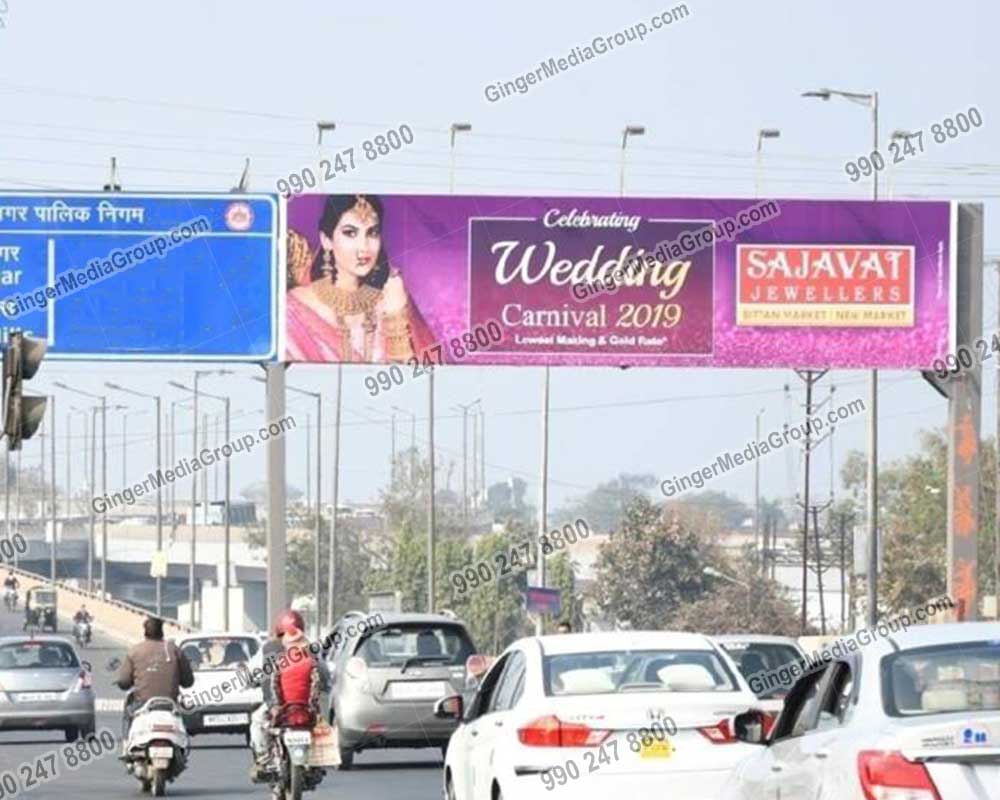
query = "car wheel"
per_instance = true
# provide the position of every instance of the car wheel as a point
(449, 789)
(346, 759)
(72, 734)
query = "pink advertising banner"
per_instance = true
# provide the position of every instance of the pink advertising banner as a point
(582, 281)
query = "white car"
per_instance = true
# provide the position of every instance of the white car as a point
(912, 716)
(596, 715)
(757, 653)
(219, 701)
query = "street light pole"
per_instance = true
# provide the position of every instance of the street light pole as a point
(336, 499)
(317, 560)
(762, 134)
(52, 495)
(456, 127)
(629, 130)
(103, 408)
(869, 99)
(543, 494)
(159, 467)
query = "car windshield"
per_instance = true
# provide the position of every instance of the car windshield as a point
(413, 643)
(942, 679)
(43, 598)
(37, 655)
(219, 652)
(617, 672)
(753, 658)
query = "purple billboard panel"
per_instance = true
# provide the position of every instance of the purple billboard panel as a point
(599, 281)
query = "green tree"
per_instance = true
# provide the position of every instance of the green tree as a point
(604, 507)
(722, 509)
(913, 520)
(730, 608)
(494, 610)
(560, 574)
(404, 568)
(651, 567)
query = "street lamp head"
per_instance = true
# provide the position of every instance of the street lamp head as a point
(822, 94)
(460, 127)
(635, 130)
(177, 385)
(322, 127)
(769, 133)
(901, 134)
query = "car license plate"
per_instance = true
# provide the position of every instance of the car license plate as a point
(36, 697)
(161, 752)
(419, 690)
(226, 719)
(663, 749)
(298, 738)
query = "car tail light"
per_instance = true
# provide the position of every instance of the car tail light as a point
(768, 721)
(551, 731)
(162, 728)
(720, 733)
(889, 776)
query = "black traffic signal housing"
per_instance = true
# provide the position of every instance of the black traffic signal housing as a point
(21, 415)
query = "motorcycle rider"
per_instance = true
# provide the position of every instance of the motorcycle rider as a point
(81, 617)
(289, 672)
(153, 668)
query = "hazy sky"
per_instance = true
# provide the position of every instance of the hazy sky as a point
(182, 92)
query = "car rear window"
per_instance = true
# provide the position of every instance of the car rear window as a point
(756, 657)
(219, 652)
(37, 655)
(942, 679)
(413, 643)
(616, 672)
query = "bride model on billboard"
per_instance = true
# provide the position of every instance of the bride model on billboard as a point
(346, 302)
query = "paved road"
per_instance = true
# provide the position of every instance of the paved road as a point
(219, 764)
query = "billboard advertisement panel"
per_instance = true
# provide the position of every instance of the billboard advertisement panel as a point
(582, 281)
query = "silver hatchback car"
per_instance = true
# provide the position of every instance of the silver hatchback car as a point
(387, 679)
(45, 685)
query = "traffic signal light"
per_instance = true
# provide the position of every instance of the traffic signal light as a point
(21, 415)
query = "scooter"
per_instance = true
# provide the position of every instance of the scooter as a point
(82, 633)
(157, 745)
(10, 598)
(291, 745)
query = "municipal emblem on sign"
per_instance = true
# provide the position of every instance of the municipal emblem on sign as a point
(239, 216)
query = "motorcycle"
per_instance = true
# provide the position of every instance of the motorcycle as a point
(157, 745)
(82, 633)
(291, 748)
(10, 598)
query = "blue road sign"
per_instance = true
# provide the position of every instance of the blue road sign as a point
(142, 277)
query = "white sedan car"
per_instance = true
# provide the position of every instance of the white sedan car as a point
(914, 716)
(599, 715)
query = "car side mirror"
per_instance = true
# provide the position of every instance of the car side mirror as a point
(750, 727)
(87, 666)
(113, 664)
(451, 707)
